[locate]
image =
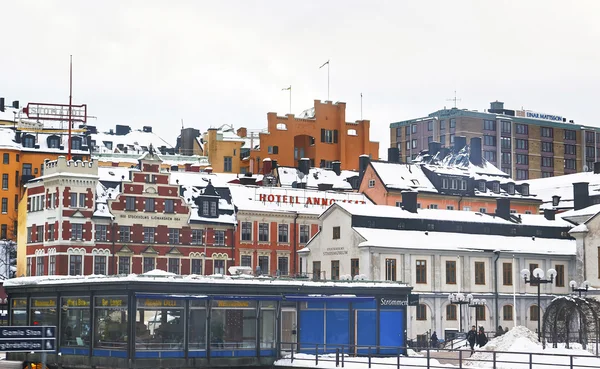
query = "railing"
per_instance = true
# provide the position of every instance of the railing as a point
(341, 356)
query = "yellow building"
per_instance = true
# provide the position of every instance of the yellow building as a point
(223, 146)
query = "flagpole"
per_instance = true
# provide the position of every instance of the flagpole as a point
(290, 99)
(327, 79)
(361, 116)
(70, 103)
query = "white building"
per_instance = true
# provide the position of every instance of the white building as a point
(439, 252)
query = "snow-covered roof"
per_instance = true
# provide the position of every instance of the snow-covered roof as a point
(103, 194)
(402, 176)
(441, 241)
(562, 186)
(288, 175)
(201, 179)
(136, 141)
(581, 215)
(302, 201)
(114, 174)
(7, 141)
(383, 211)
(168, 159)
(196, 279)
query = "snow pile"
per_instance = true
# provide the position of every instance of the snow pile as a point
(519, 333)
(514, 349)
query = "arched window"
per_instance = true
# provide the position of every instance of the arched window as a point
(451, 312)
(507, 312)
(422, 312)
(533, 313)
(281, 127)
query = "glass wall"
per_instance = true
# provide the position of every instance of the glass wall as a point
(233, 324)
(267, 324)
(75, 322)
(197, 325)
(159, 324)
(18, 314)
(43, 311)
(110, 329)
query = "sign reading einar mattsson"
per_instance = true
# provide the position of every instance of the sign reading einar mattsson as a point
(36, 339)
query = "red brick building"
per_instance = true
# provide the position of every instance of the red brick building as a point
(274, 223)
(80, 225)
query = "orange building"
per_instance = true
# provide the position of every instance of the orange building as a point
(320, 134)
(22, 154)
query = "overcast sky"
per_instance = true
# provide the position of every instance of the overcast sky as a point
(215, 62)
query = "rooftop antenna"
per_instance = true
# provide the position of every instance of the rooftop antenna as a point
(70, 103)
(454, 99)
(182, 123)
(326, 64)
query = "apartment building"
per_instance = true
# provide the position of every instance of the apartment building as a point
(523, 144)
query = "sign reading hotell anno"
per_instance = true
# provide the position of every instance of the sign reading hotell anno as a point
(309, 200)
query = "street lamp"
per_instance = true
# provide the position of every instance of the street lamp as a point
(477, 303)
(460, 299)
(538, 279)
(585, 286)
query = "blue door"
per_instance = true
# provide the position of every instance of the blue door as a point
(391, 330)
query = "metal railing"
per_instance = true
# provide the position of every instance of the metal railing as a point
(395, 357)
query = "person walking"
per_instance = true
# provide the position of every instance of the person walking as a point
(471, 338)
(481, 337)
(434, 340)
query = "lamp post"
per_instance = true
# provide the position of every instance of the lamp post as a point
(477, 303)
(460, 299)
(538, 279)
(585, 286)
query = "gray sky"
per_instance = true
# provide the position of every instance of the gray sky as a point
(215, 62)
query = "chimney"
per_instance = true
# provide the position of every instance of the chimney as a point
(434, 148)
(581, 195)
(208, 170)
(363, 163)
(147, 129)
(444, 151)
(304, 165)
(393, 155)
(267, 166)
(503, 208)
(597, 167)
(555, 200)
(337, 167)
(459, 143)
(409, 201)
(475, 156)
(18, 136)
(550, 214)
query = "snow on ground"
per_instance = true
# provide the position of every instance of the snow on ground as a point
(513, 352)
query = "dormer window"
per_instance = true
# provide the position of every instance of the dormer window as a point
(525, 189)
(108, 144)
(463, 185)
(444, 183)
(28, 141)
(53, 142)
(496, 187)
(482, 187)
(511, 188)
(76, 143)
